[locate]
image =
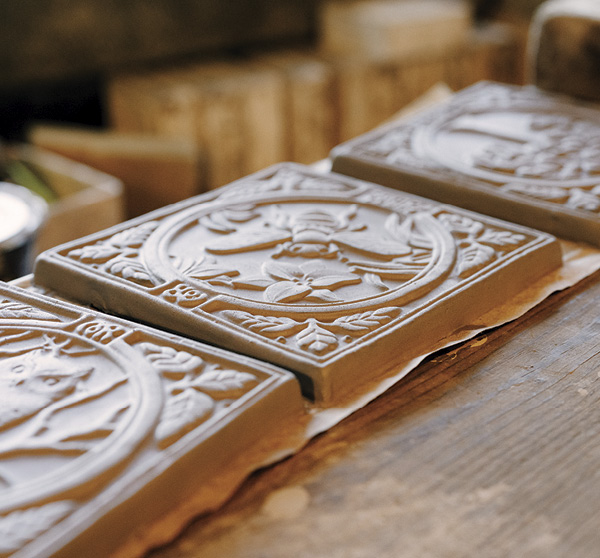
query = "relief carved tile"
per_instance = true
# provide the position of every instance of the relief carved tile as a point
(96, 413)
(333, 278)
(512, 152)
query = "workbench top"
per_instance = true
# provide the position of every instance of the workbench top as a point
(490, 448)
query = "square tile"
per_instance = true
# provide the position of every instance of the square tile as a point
(511, 152)
(107, 426)
(333, 278)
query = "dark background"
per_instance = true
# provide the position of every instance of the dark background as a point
(56, 54)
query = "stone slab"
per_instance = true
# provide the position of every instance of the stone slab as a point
(564, 48)
(107, 426)
(512, 152)
(336, 279)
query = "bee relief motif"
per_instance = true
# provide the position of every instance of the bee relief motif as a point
(312, 253)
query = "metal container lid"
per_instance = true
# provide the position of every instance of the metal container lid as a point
(21, 215)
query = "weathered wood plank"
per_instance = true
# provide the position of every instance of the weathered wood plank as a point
(488, 449)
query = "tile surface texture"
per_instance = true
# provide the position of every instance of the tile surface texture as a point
(512, 152)
(336, 279)
(106, 426)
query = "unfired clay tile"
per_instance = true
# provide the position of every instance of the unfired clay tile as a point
(107, 426)
(507, 151)
(333, 278)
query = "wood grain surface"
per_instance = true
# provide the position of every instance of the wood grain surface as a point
(490, 448)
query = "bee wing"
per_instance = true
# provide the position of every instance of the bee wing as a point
(373, 245)
(247, 241)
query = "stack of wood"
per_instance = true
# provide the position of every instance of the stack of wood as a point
(245, 114)
(242, 115)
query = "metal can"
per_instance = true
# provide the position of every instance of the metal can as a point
(21, 215)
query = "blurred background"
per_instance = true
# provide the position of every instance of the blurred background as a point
(57, 56)
(112, 109)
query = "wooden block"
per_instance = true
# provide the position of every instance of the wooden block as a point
(564, 45)
(368, 94)
(155, 171)
(512, 152)
(88, 200)
(386, 30)
(337, 280)
(310, 117)
(234, 111)
(107, 427)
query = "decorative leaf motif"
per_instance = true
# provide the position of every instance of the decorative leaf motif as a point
(322, 295)
(270, 326)
(359, 324)
(98, 253)
(474, 257)
(170, 362)
(461, 225)
(286, 291)
(254, 283)
(204, 268)
(105, 250)
(133, 237)
(501, 239)
(411, 232)
(316, 339)
(182, 413)
(225, 384)
(16, 310)
(22, 526)
(129, 269)
(282, 271)
(587, 201)
(375, 280)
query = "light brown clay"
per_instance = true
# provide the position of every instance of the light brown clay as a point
(512, 152)
(333, 278)
(107, 426)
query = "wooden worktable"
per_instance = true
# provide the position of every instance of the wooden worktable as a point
(488, 449)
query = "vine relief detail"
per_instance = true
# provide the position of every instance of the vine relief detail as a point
(22, 526)
(15, 310)
(312, 335)
(119, 254)
(195, 390)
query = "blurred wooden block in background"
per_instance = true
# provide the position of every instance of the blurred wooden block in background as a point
(295, 106)
(371, 92)
(89, 200)
(232, 110)
(564, 48)
(155, 171)
(385, 30)
(310, 107)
